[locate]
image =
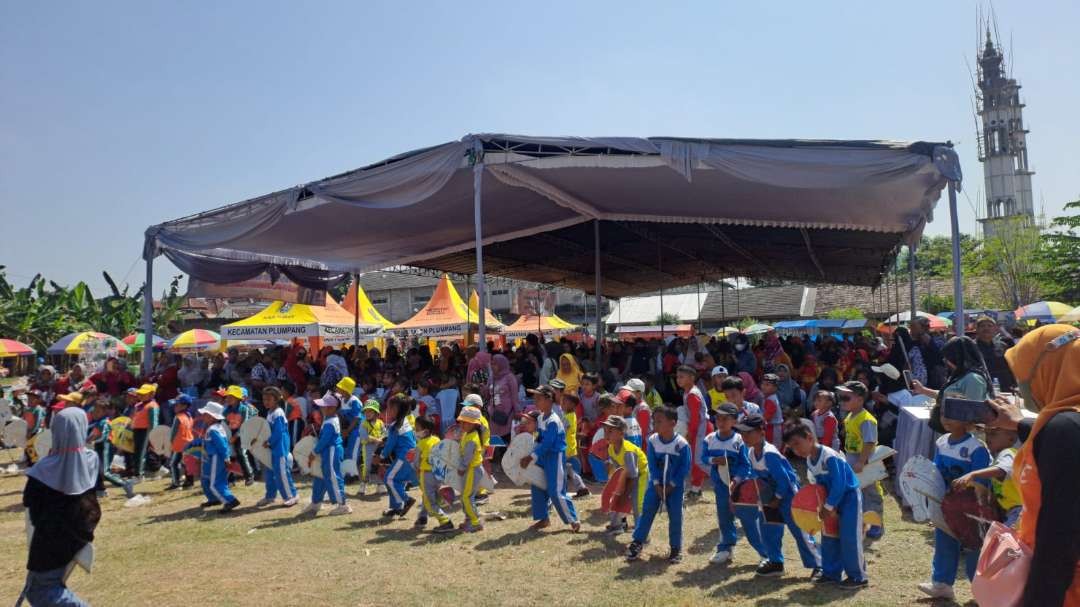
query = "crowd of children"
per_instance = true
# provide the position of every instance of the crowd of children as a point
(389, 437)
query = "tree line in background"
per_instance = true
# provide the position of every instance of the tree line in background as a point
(1024, 262)
(43, 311)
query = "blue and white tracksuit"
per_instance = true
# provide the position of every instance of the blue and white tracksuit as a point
(669, 465)
(549, 453)
(215, 477)
(953, 460)
(400, 442)
(351, 413)
(278, 477)
(843, 554)
(329, 448)
(774, 468)
(633, 432)
(733, 449)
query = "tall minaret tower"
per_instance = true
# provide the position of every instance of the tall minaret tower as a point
(1003, 146)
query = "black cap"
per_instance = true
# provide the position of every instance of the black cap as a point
(728, 409)
(547, 391)
(854, 386)
(750, 422)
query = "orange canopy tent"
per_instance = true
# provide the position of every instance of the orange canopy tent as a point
(489, 317)
(444, 315)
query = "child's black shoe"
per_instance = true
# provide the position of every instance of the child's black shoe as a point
(675, 557)
(633, 552)
(409, 503)
(769, 568)
(446, 527)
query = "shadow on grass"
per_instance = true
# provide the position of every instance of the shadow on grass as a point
(195, 513)
(599, 546)
(709, 576)
(296, 518)
(368, 523)
(655, 564)
(516, 538)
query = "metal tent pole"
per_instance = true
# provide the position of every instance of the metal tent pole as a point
(660, 268)
(911, 277)
(596, 270)
(356, 312)
(958, 287)
(478, 175)
(148, 318)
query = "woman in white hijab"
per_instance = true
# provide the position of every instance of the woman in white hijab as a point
(63, 508)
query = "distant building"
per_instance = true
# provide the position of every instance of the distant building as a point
(1003, 142)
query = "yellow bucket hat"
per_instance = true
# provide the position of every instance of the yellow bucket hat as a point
(235, 391)
(346, 385)
(146, 389)
(470, 414)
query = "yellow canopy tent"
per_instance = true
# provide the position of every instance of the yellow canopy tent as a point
(444, 315)
(489, 316)
(331, 323)
(547, 325)
(368, 314)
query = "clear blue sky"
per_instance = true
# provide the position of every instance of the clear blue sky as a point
(115, 116)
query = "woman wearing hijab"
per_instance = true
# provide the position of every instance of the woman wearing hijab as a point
(773, 354)
(745, 361)
(479, 371)
(1046, 363)
(569, 373)
(63, 508)
(504, 400)
(968, 377)
(788, 391)
(751, 392)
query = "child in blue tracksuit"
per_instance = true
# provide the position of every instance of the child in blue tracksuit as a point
(549, 454)
(398, 452)
(958, 453)
(215, 443)
(278, 476)
(669, 457)
(725, 456)
(351, 416)
(330, 450)
(768, 464)
(843, 499)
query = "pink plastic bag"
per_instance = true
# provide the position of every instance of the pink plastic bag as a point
(1003, 568)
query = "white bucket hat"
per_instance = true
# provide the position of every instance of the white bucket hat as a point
(214, 410)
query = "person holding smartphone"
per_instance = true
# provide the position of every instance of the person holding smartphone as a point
(968, 377)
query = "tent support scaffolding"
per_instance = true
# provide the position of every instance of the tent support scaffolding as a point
(958, 288)
(599, 333)
(478, 177)
(148, 318)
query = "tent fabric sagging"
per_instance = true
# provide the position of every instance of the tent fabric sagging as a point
(836, 211)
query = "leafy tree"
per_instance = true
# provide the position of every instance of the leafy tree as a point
(935, 304)
(845, 314)
(1011, 261)
(933, 257)
(667, 318)
(1060, 256)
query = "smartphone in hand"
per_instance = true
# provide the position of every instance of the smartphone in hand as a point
(963, 410)
(907, 379)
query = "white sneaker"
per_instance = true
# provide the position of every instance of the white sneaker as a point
(721, 557)
(264, 502)
(289, 503)
(342, 509)
(937, 590)
(313, 508)
(363, 489)
(380, 489)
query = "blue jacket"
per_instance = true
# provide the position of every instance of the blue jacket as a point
(329, 438)
(830, 470)
(669, 462)
(217, 449)
(552, 442)
(399, 441)
(733, 448)
(279, 432)
(775, 469)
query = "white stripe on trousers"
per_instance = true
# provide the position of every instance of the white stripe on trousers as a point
(213, 478)
(332, 480)
(390, 481)
(560, 490)
(286, 490)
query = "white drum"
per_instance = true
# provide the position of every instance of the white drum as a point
(42, 443)
(301, 451)
(159, 440)
(923, 487)
(521, 445)
(15, 433)
(445, 458)
(6, 413)
(253, 433)
(874, 470)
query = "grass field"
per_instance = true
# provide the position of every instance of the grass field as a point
(169, 552)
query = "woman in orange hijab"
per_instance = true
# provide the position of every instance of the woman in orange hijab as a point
(1046, 363)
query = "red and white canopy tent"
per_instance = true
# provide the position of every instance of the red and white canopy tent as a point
(614, 216)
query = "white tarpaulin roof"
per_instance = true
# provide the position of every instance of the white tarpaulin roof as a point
(646, 310)
(672, 211)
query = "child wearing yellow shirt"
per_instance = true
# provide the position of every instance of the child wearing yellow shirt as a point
(471, 466)
(429, 484)
(569, 406)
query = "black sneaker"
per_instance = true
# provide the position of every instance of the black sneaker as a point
(850, 584)
(583, 492)
(421, 522)
(769, 569)
(481, 500)
(188, 484)
(209, 504)
(815, 574)
(230, 506)
(822, 580)
(249, 482)
(409, 503)
(675, 557)
(391, 513)
(633, 551)
(447, 527)
(172, 487)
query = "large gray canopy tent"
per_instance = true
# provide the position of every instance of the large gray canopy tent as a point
(650, 213)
